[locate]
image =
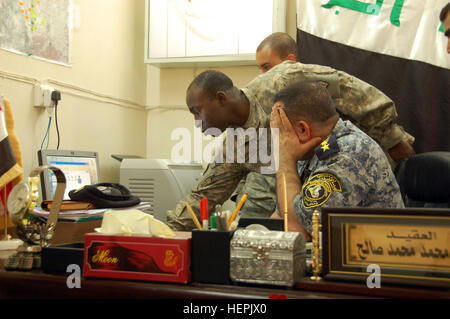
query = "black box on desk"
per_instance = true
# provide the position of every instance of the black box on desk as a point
(269, 223)
(56, 258)
(210, 256)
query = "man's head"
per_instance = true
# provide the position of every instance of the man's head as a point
(274, 49)
(213, 99)
(445, 19)
(309, 107)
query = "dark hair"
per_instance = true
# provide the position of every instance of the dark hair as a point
(307, 100)
(281, 43)
(444, 12)
(211, 81)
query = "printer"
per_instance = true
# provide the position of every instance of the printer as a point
(161, 182)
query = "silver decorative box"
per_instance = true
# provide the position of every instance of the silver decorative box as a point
(267, 257)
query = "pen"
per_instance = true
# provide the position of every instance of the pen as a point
(219, 221)
(235, 223)
(194, 218)
(218, 216)
(238, 208)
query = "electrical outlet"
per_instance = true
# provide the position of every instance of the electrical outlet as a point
(38, 97)
(43, 95)
(47, 95)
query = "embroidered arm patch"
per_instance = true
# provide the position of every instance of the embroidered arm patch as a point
(318, 189)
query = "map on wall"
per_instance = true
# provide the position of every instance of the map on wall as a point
(39, 28)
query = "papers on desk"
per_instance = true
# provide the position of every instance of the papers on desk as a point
(85, 214)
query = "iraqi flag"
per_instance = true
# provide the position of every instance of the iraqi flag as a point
(9, 168)
(397, 46)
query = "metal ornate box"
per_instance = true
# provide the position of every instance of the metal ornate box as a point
(267, 257)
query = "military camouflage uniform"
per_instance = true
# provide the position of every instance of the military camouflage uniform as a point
(348, 170)
(220, 179)
(356, 100)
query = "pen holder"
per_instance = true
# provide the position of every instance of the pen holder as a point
(269, 223)
(210, 256)
(56, 258)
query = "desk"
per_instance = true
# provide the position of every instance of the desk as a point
(36, 284)
(39, 285)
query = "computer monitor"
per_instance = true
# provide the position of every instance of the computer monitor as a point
(80, 168)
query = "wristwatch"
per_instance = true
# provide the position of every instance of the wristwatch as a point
(24, 196)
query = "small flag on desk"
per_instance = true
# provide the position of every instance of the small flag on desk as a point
(9, 168)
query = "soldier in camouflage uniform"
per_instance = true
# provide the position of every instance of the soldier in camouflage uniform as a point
(356, 100)
(347, 169)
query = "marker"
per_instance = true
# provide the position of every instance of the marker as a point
(204, 215)
(212, 222)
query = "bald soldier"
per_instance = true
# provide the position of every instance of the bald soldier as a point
(280, 46)
(213, 99)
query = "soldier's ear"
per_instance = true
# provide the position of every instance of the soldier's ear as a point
(291, 57)
(221, 97)
(303, 131)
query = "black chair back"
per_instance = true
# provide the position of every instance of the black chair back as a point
(424, 180)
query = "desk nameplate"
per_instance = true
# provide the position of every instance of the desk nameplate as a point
(410, 246)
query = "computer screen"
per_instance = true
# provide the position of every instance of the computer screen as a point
(80, 168)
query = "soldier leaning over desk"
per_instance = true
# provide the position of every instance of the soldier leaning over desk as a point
(213, 99)
(326, 161)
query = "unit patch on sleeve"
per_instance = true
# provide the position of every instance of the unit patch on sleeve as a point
(318, 189)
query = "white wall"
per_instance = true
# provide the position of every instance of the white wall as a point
(103, 91)
(106, 89)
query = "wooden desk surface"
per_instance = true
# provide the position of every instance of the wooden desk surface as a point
(39, 285)
(36, 284)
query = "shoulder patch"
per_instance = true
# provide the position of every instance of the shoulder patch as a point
(327, 147)
(318, 189)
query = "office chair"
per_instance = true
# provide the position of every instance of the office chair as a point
(424, 180)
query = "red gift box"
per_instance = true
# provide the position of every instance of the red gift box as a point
(138, 257)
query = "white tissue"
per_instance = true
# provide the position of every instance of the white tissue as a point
(133, 222)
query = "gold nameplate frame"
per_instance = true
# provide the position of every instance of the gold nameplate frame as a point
(410, 246)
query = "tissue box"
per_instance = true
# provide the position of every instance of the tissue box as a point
(138, 257)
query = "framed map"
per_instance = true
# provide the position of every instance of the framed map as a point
(37, 28)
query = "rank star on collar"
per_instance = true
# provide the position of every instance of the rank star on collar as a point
(325, 147)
